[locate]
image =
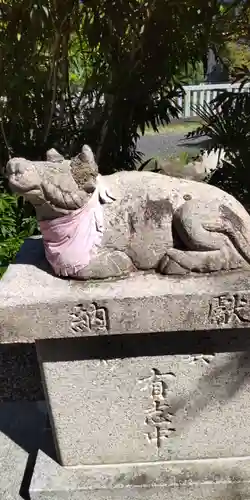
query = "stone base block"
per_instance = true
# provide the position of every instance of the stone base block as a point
(137, 407)
(227, 479)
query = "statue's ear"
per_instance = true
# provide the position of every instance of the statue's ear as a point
(87, 154)
(60, 198)
(105, 195)
(53, 156)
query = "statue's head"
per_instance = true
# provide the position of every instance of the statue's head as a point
(55, 187)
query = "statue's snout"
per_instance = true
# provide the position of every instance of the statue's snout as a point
(15, 166)
(10, 168)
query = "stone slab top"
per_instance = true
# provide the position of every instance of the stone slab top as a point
(34, 304)
(195, 479)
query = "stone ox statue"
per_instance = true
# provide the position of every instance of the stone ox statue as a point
(99, 227)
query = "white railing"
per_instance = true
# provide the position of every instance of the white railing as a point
(198, 95)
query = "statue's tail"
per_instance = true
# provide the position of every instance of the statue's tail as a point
(238, 231)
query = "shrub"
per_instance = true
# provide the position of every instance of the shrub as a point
(226, 121)
(17, 222)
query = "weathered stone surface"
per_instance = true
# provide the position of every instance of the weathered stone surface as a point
(121, 400)
(19, 373)
(227, 479)
(13, 460)
(34, 304)
(154, 222)
(22, 427)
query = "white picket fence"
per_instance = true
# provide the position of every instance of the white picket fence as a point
(197, 95)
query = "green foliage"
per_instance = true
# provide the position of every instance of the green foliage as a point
(235, 50)
(16, 223)
(127, 57)
(226, 121)
(235, 54)
(144, 49)
(185, 158)
(193, 74)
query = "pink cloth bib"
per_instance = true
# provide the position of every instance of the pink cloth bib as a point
(71, 241)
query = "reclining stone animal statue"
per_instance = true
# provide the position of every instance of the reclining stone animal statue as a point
(98, 227)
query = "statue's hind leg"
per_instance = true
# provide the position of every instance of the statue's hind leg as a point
(206, 250)
(185, 261)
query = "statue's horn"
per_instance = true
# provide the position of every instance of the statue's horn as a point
(87, 154)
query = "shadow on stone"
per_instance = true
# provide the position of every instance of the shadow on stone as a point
(24, 490)
(152, 344)
(48, 448)
(32, 253)
(23, 414)
(26, 424)
(226, 380)
(19, 373)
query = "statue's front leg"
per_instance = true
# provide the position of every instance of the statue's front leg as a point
(106, 264)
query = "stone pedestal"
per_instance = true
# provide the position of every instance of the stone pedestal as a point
(37, 305)
(217, 479)
(147, 381)
(146, 408)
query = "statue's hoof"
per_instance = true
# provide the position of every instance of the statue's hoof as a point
(170, 266)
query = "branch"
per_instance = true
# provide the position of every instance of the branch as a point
(5, 139)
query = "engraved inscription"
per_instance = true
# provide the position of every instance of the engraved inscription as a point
(159, 418)
(229, 309)
(91, 318)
